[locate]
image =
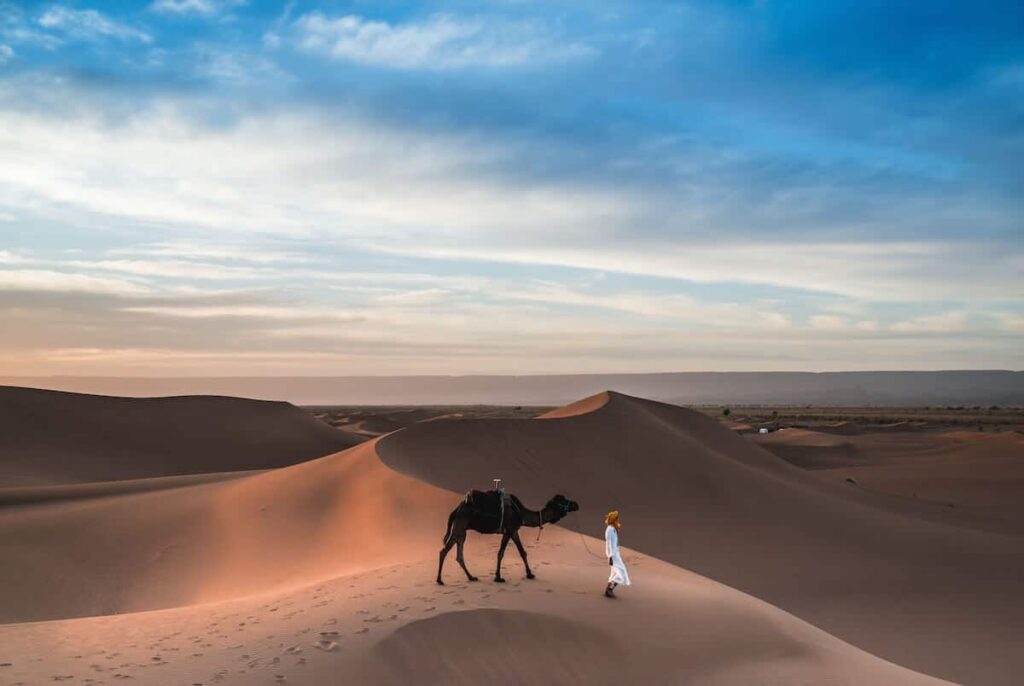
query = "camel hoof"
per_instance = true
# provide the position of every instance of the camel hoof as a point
(473, 578)
(440, 583)
(498, 580)
(531, 575)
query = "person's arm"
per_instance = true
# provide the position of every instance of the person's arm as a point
(613, 544)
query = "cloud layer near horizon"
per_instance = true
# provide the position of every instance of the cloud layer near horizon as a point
(222, 187)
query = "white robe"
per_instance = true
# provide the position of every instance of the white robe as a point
(619, 574)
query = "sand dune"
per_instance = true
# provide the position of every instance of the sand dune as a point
(811, 449)
(48, 437)
(978, 473)
(322, 571)
(392, 625)
(215, 541)
(903, 580)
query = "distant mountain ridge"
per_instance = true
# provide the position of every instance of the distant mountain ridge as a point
(880, 388)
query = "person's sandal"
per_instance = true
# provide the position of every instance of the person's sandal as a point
(609, 593)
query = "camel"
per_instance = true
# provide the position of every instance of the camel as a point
(492, 512)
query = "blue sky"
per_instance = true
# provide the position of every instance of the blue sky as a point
(230, 187)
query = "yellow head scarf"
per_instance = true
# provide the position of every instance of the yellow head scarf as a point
(612, 519)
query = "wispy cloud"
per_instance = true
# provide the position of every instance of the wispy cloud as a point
(946, 322)
(6, 53)
(439, 42)
(48, 280)
(205, 8)
(89, 25)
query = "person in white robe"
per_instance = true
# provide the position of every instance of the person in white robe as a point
(619, 574)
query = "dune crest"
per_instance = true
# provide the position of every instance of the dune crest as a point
(587, 405)
(50, 437)
(211, 542)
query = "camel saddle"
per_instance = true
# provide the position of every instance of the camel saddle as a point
(489, 502)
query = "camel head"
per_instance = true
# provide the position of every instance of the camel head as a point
(560, 506)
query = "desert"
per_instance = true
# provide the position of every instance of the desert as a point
(753, 570)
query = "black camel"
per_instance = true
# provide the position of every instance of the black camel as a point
(483, 511)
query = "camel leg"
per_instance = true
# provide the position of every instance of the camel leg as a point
(440, 562)
(522, 554)
(501, 554)
(462, 563)
(458, 532)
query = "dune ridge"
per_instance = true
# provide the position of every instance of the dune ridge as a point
(214, 541)
(50, 437)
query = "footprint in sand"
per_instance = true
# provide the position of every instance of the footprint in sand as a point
(364, 630)
(327, 646)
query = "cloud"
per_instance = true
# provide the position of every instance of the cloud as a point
(89, 25)
(946, 322)
(439, 42)
(236, 66)
(48, 280)
(174, 269)
(836, 323)
(228, 252)
(204, 8)
(385, 189)
(6, 53)
(1010, 321)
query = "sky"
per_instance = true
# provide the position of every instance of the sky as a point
(232, 187)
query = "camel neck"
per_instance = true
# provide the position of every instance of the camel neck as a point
(536, 518)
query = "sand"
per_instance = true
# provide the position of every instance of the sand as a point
(393, 625)
(980, 474)
(322, 572)
(49, 437)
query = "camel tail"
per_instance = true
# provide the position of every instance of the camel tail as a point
(448, 531)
